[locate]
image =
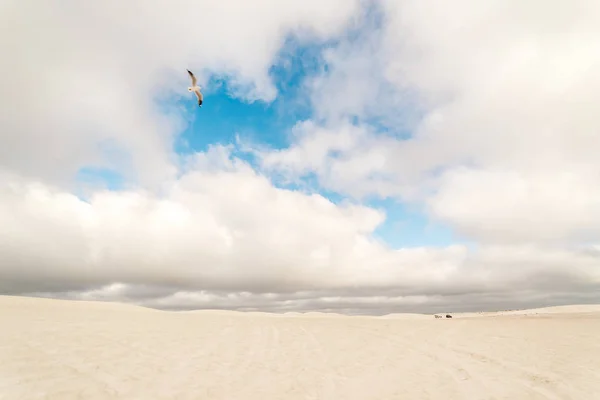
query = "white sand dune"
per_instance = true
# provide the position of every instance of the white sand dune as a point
(53, 349)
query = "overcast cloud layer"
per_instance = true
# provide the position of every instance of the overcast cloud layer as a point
(499, 98)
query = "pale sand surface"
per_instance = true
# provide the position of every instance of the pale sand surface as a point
(54, 349)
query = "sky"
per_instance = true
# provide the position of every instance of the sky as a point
(352, 156)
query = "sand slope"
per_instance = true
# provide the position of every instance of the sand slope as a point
(51, 349)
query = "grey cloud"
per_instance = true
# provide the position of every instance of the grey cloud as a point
(511, 286)
(169, 299)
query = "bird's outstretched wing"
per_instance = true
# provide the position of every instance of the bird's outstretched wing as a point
(198, 95)
(193, 77)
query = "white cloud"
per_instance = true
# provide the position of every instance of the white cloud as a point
(221, 232)
(506, 146)
(499, 96)
(508, 206)
(214, 228)
(75, 77)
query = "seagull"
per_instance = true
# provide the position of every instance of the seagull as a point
(195, 88)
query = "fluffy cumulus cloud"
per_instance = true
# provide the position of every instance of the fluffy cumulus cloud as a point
(500, 98)
(82, 82)
(479, 111)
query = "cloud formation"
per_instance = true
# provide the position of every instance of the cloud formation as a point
(480, 112)
(500, 101)
(82, 83)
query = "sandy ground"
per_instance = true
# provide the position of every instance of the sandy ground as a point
(52, 349)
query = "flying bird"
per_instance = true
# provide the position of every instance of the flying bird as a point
(195, 88)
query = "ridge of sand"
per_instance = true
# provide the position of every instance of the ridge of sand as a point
(568, 309)
(20, 301)
(62, 349)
